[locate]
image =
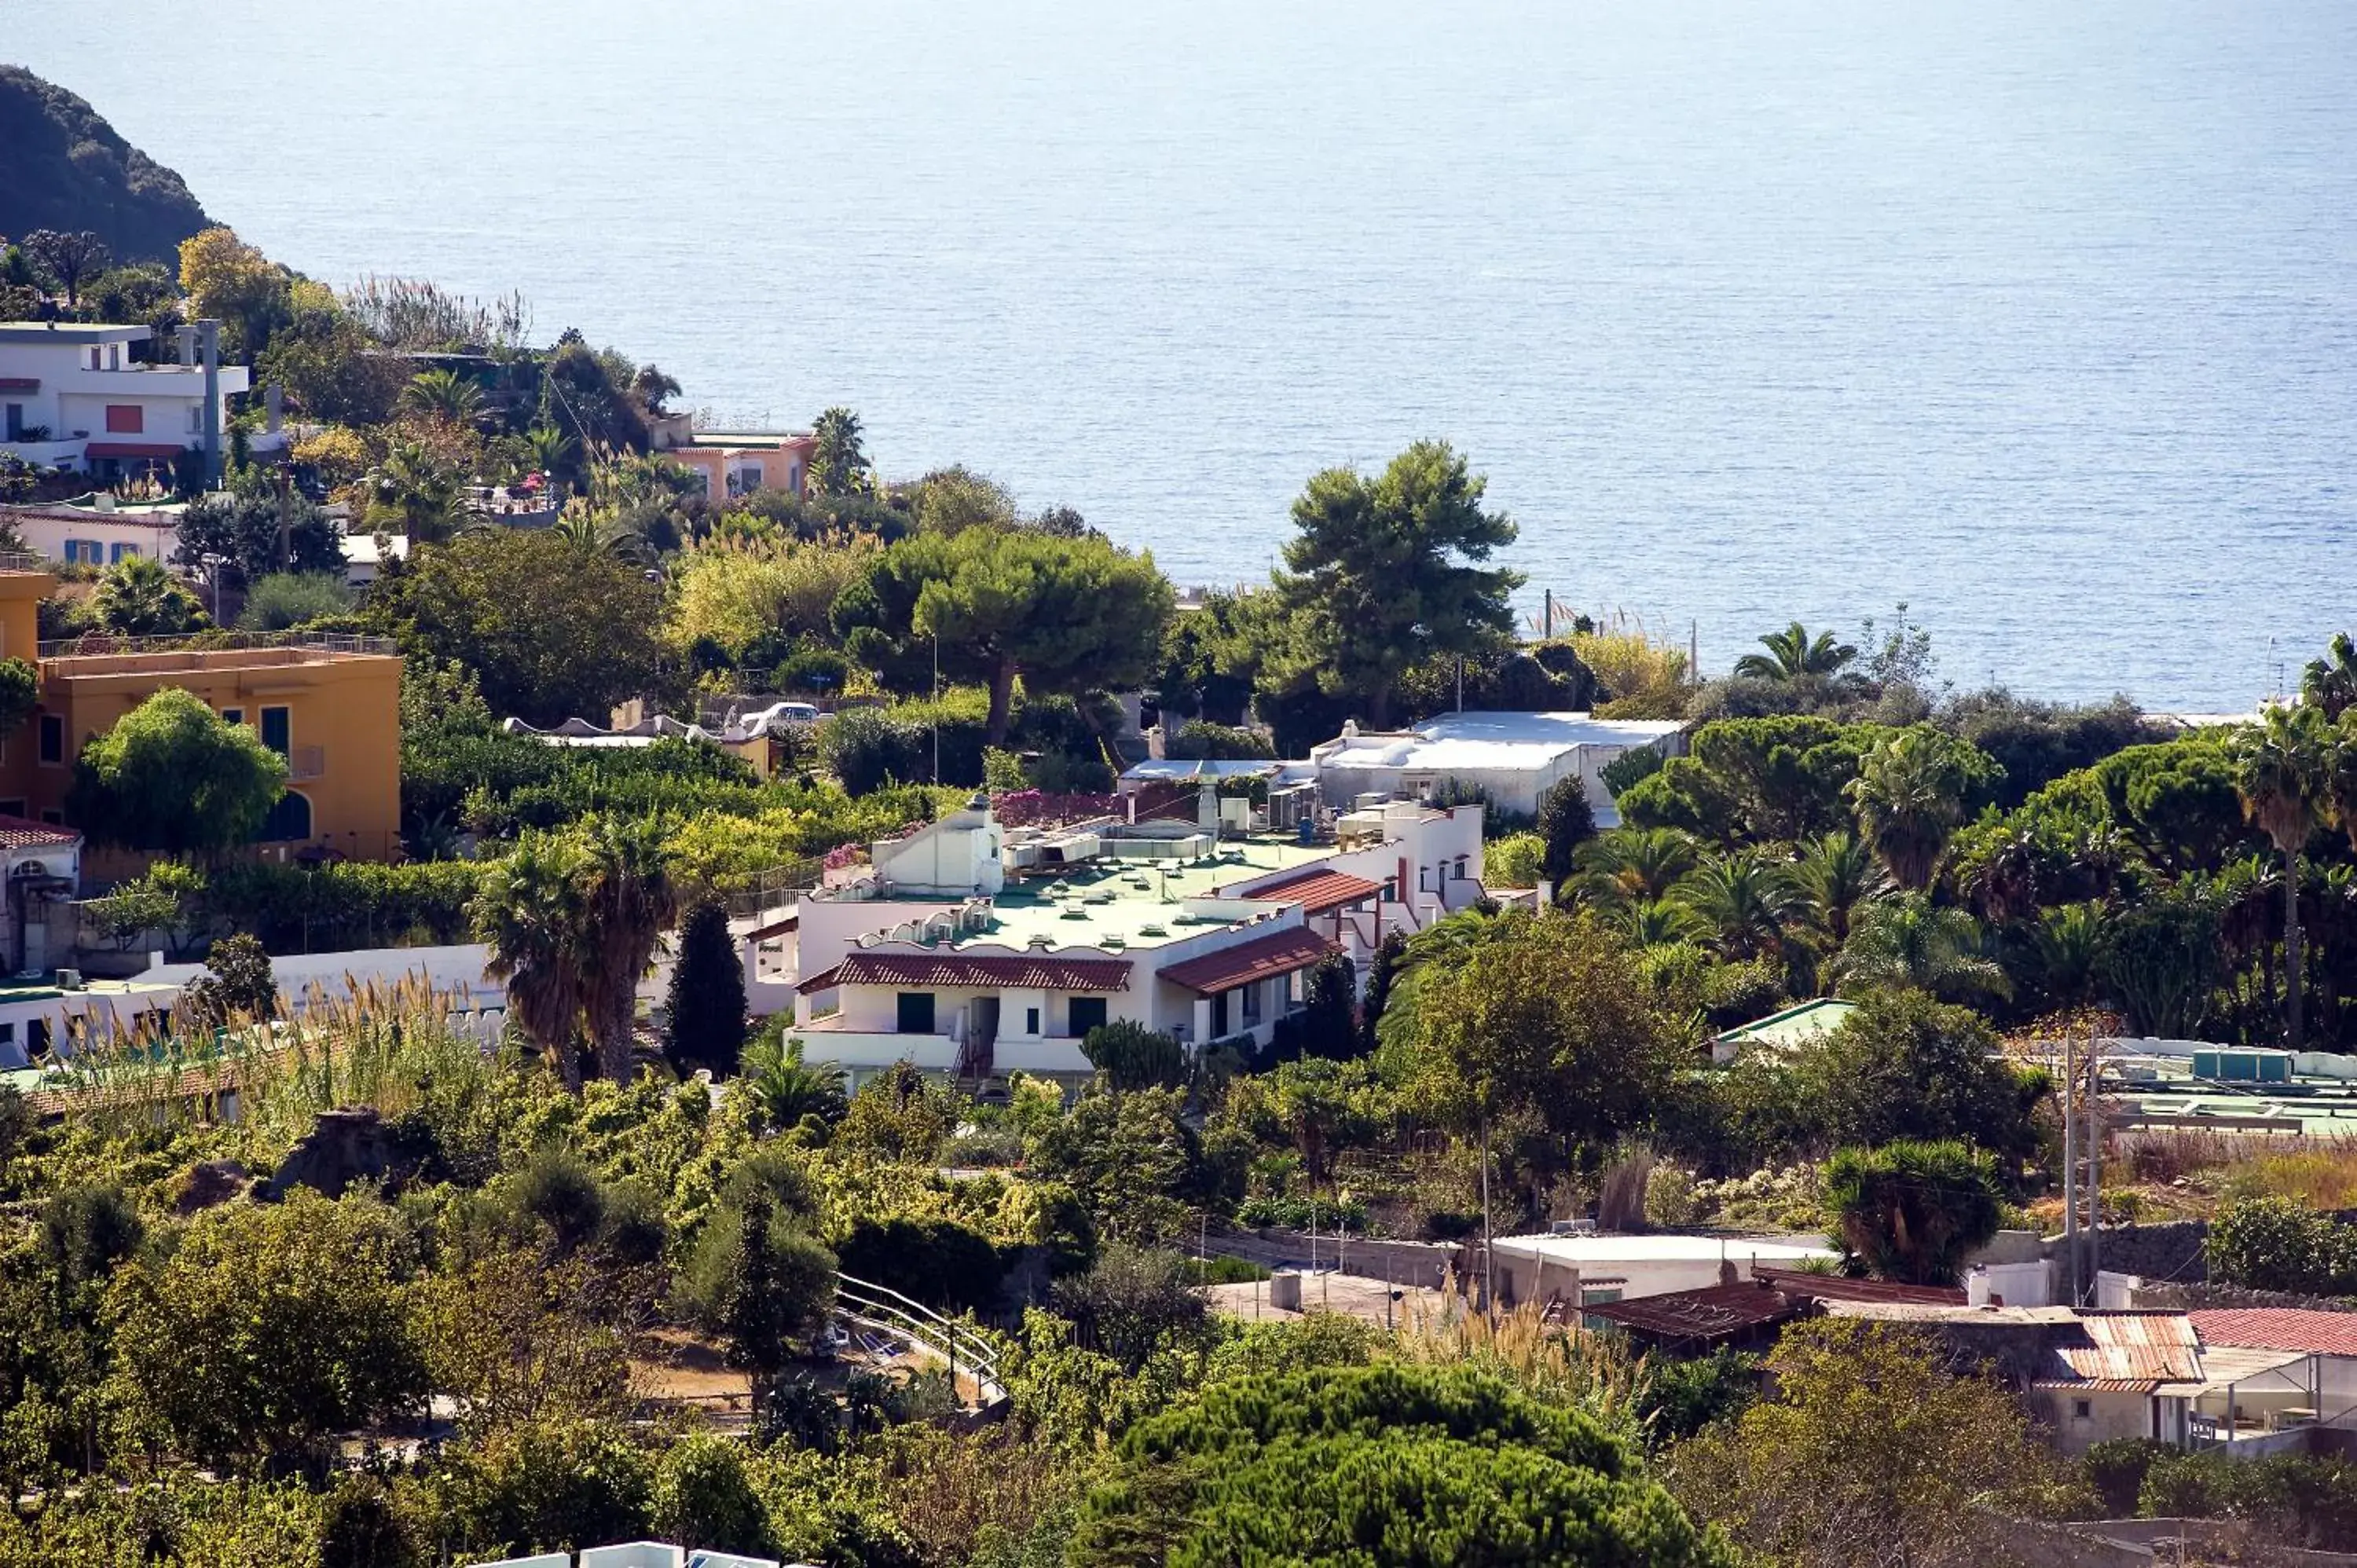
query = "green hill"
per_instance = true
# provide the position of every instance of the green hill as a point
(66, 168)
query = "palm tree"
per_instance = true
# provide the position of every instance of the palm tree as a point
(530, 913)
(427, 498)
(1909, 793)
(1740, 901)
(1653, 922)
(2281, 773)
(596, 530)
(1793, 655)
(785, 1088)
(445, 395)
(138, 597)
(2330, 682)
(1907, 942)
(1631, 865)
(2340, 777)
(2070, 939)
(1831, 878)
(549, 451)
(628, 901)
(840, 459)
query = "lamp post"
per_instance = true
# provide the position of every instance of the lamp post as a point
(212, 565)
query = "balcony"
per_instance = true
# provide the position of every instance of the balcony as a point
(234, 648)
(305, 762)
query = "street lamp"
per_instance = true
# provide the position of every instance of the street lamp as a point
(212, 565)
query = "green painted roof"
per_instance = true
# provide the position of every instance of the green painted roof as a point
(1800, 1022)
(1136, 901)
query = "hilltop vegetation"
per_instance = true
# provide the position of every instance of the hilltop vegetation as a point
(67, 169)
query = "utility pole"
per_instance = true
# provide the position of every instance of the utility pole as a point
(2070, 1161)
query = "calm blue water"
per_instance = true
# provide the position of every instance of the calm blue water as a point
(2039, 316)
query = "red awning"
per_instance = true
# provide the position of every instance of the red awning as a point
(1319, 891)
(20, 383)
(132, 449)
(938, 971)
(1279, 952)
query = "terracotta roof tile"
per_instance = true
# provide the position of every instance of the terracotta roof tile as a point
(16, 832)
(1032, 972)
(2278, 1328)
(1319, 891)
(1279, 952)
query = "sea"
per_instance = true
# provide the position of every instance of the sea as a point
(2038, 317)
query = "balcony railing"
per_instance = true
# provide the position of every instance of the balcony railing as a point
(22, 560)
(97, 644)
(306, 762)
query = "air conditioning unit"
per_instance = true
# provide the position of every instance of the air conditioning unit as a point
(69, 980)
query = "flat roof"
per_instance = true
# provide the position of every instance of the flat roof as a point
(1488, 740)
(1656, 1249)
(778, 439)
(1124, 898)
(1173, 769)
(1802, 1021)
(70, 332)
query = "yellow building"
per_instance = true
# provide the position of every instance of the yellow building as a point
(330, 705)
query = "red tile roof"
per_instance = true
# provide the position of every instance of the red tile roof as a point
(2278, 1328)
(928, 972)
(1319, 891)
(16, 833)
(1279, 952)
(132, 449)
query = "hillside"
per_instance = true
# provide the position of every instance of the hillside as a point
(67, 169)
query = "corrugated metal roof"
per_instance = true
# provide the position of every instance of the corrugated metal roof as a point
(1840, 1287)
(954, 972)
(2139, 1347)
(1714, 1312)
(2280, 1329)
(2100, 1385)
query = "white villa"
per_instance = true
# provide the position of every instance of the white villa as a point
(970, 949)
(1514, 759)
(72, 396)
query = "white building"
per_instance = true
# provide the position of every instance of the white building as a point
(1513, 759)
(1587, 1269)
(970, 949)
(72, 396)
(98, 532)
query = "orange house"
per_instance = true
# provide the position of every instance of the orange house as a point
(330, 706)
(738, 463)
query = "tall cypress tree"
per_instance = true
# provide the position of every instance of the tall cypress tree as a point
(706, 1003)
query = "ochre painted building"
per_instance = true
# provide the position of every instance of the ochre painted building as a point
(330, 706)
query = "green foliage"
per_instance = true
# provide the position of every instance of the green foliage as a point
(237, 983)
(2116, 1467)
(786, 1089)
(173, 776)
(945, 1264)
(1566, 822)
(270, 1327)
(552, 632)
(1132, 1159)
(1132, 1056)
(1631, 767)
(704, 1023)
(1904, 1067)
(760, 1285)
(1200, 738)
(1681, 1398)
(552, 1484)
(138, 597)
(1911, 1210)
(68, 167)
(1870, 1449)
(257, 537)
(1131, 1303)
(2274, 1243)
(285, 599)
(899, 1115)
(1382, 1465)
(2295, 1499)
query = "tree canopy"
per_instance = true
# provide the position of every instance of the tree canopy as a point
(174, 776)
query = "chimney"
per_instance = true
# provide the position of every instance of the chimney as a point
(209, 351)
(187, 341)
(1207, 807)
(273, 401)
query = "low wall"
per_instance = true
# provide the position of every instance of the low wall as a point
(1401, 1262)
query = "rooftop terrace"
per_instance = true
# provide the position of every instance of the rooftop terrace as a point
(98, 654)
(1137, 903)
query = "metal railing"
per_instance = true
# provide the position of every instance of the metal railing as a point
(307, 762)
(21, 559)
(888, 1311)
(101, 644)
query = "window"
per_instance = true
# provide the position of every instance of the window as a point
(916, 1013)
(125, 419)
(1219, 1017)
(278, 729)
(745, 479)
(115, 553)
(2081, 1410)
(196, 420)
(233, 715)
(54, 817)
(1250, 992)
(1460, 868)
(93, 356)
(115, 356)
(7, 1034)
(16, 427)
(1087, 1013)
(53, 739)
(289, 821)
(89, 550)
(12, 809)
(36, 1039)
(1031, 1020)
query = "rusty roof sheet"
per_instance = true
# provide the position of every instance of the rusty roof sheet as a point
(2136, 1346)
(1839, 1287)
(1713, 1312)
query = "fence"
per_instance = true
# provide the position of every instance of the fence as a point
(888, 1311)
(97, 644)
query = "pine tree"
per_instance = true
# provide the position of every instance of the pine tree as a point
(706, 1003)
(1565, 821)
